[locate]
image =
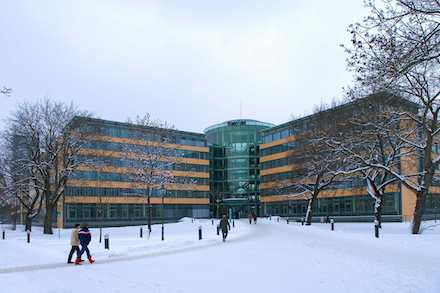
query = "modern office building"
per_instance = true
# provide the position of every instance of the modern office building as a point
(106, 190)
(233, 168)
(345, 200)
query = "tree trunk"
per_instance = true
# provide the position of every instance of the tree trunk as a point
(378, 214)
(47, 229)
(309, 213)
(149, 209)
(28, 223)
(14, 218)
(378, 210)
(418, 212)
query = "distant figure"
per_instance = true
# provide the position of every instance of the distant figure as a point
(74, 242)
(250, 218)
(254, 216)
(84, 238)
(327, 220)
(224, 226)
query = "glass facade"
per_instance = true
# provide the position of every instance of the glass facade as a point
(234, 166)
(351, 208)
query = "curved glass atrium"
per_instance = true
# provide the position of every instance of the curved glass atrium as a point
(234, 174)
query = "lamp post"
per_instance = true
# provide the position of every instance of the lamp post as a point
(246, 187)
(163, 217)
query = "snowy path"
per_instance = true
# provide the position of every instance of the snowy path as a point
(185, 247)
(269, 257)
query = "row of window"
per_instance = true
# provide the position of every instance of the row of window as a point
(355, 183)
(276, 163)
(79, 213)
(432, 204)
(128, 192)
(276, 177)
(106, 176)
(116, 146)
(361, 205)
(129, 163)
(277, 135)
(125, 132)
(276, 149)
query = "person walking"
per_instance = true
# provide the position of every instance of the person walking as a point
(250, 218)
(224, 226)
(74, 242)
(254, 216)
(84, 238)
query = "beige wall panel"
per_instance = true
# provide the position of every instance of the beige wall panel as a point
(125, 170)
(276, 156)
(146, 143)
(118, 184)
(277, 142)
(133, 200)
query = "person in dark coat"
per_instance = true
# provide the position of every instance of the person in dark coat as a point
(224, 226)
(254, 216)
(84, 239)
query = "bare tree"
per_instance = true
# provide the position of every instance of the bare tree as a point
(374, 138)
(5, 91)
(51, 144)
(8, 200)
(397, 49)
(318, 164)
(154, 162)
(18, 182)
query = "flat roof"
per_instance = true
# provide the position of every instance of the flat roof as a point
(251, 122)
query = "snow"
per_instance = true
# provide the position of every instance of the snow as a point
(270, 256)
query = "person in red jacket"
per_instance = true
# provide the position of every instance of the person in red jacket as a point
(84, 239)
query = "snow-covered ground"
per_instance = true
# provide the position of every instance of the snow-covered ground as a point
(268, 257)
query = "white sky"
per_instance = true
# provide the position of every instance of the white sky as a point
(187, 62)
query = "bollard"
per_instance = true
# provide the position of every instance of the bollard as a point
(3, 234)
(106, 241)
(200, 232)
(233, 224)
(332, 221)
(287, 220)
(141, 232)
(163, 230)
(218, 230)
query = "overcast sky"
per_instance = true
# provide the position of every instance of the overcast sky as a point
(188, 62)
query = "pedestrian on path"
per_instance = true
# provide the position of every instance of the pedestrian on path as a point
(254, 216)
(224, 226)
(250, 218)
(84, 238)
(74, 242)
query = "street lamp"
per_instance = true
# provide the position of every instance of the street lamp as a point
(163, 213)
(245, 186)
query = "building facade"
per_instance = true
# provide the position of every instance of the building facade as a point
(233, 168)
(104, 189)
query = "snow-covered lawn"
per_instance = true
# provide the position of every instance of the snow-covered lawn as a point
(267, 257)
